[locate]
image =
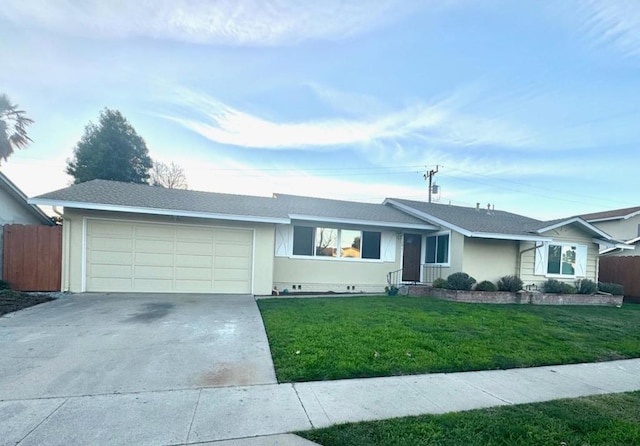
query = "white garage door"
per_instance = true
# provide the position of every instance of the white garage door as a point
(143, 257)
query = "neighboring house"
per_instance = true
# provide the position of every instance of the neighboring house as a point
(622, 224)
(127, 237)
(14, 209)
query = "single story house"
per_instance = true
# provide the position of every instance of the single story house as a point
(622, 224)
(14, 209)
(120, 237)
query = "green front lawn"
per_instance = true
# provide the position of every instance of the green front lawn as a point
(595, 420)
(349, 337)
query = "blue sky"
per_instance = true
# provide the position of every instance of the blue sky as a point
(531, 106)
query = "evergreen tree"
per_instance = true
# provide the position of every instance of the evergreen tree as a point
(110, 150)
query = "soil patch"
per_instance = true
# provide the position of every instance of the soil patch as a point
(11, 301)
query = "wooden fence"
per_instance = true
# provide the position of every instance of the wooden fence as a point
(622, 270)
(32, 257)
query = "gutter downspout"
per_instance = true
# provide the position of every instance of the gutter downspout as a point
(534, 247)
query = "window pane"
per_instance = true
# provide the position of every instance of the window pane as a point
(555, 254)
(430, 255)
(326, 242)
(569, 260)
(443, 249)
(371, 245)
(350, 242)
(302, 241)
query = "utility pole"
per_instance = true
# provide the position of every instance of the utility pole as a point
(429, 175)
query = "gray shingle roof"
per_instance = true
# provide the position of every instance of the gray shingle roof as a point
(613, 214)
(128, 195)
(348, 210)
(478, 220)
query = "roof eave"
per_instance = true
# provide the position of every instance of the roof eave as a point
(24, 201)
(516, 237)
(424, 216)
(351, 221)
(593, 229)
(157, 211)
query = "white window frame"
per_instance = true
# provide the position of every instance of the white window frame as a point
(424, 248)
(338, 257)
(582, 252)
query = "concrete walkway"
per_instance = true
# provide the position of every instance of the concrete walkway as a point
(235, 416)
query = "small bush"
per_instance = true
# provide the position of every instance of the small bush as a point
(611, 288)
(586, 286)
(510, 283)
(485, 285)
(439, 283)
(554, 286)
(4, 285)
(460, 281)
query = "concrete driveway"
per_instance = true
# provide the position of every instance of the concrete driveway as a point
(91, 344)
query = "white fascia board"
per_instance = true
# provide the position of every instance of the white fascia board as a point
(597, 220)
(631, 215)
(580, 221)
(157, 211)
(424, 216)
(614, 244)
(523, 238)
(351, 221)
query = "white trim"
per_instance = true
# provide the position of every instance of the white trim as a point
(616, 217)
(253, 261)
(158, 211)
(411, 211)
(350, 221)
(83, 285)
(565, 276)
(337, 259)
(623, 246)
(576, 220)
(523, 238)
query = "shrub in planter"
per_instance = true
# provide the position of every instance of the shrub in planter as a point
(439, 283)
(4, 285)
(586, 286)
(391, 290)
(460, 281)
(510, 283)
(486, 285)
(611, 288)
(554, 286)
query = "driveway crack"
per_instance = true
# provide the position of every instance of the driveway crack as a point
(40, 423)
(193, 417)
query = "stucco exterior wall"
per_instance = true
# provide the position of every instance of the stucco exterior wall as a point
(73, 244)
(568, 234)
(12, 212)
(620, 229)
(487, 259)
(329, 274)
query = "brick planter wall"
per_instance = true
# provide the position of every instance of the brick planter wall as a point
(504, 297)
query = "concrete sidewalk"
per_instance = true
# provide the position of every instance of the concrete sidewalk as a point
(240, 414)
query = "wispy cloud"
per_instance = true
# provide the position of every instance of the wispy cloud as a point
(429, 123)
(613, 22)
(234, 22)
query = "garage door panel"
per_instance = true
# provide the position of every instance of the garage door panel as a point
(110, 228)
(233, 235)
(148, 245)
(99, 283)
(153, 272)
(194, 273)
(199, 235)
(153, 259)
(124, 256)
(152, 285)
(110, 271)
(110, 258)
(232, 262)
(111, 244)
(194, 248)
(166, 232)
(195, 261)
(232, 250)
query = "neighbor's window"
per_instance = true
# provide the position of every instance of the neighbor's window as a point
(437, 249)
(324, 242)
(562, 260)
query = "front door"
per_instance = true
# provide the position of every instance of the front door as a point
(411, 257)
